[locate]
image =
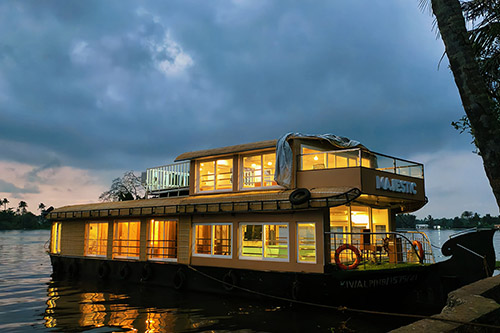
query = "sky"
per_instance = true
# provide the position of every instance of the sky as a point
(92, 89)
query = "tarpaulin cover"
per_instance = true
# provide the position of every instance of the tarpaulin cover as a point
(284, 156)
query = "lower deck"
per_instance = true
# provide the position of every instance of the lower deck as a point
(314, 241)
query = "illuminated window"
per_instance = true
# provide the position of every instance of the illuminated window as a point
(96, 238)
(126, 240)
(212, 239)
(215, 175)
(55, 239)
(162, 240)
(264, 241)
(313, 158)
(348, 223)
(258, 171)
(306, 242)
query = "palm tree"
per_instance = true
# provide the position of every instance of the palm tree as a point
(481, 107)
(41, 206)
(4, 203)
(22, 207)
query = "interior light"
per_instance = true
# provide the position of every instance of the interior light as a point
(222, 162)
(269, 163)
(360, 219)
(202, 164)
(254, 165)
(315, 158)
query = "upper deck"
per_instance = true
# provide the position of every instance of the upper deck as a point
(315, 164)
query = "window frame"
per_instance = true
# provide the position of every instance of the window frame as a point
(315, 244)
(214, 160)
(114, 254)
(148, 240)
(86, 239)
(263, 240)
(241, 168)
(55, 239)
(212, 238)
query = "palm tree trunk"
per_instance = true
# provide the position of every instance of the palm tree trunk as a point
(479, 107)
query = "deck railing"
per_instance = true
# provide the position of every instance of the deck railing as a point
(357, 157)
(358, 250)
(167, 177)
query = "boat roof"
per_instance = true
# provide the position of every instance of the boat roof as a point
(274, 200)
(227, 150)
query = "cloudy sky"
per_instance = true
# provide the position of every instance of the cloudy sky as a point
(91, 89)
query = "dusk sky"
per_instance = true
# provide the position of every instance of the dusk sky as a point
(91, 89)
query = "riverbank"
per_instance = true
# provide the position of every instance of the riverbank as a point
(472, 308)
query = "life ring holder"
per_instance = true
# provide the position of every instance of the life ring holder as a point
(299, 196)
(179, 279)
(420, 250)
(147, 272)
(343, 248)
(230, 280)
(103, 270)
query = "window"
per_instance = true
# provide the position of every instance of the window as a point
(265, 241)
(212, 239)
(55, 241)
(258, 171)
(306, 242)
(357, 220)
(126, 240)
(215, 175)
(162, 240)
(96, 238)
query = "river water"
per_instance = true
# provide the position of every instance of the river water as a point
(31, 301)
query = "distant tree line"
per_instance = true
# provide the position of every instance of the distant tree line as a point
(467, 219)
(21, 218)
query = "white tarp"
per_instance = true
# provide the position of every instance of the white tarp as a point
(283, 170)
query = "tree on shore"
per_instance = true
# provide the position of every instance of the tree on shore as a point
(128, 187)
(22, 208)
(4, 202)
(41, 206)
(474, 59)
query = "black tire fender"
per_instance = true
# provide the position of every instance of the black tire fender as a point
(147, 272)
(103, 270)
(230, 280)
(299, 196)
(124, 271)
(179, 279)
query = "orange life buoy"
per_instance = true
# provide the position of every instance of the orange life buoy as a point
(420, 248)
(347, 247)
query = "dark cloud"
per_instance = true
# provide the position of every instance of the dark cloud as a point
(7, 187)
(127, 85)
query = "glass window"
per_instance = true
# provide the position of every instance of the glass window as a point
(126, 240)
(96, 238)
(380, 220)
(212, 239)
(162, 240)
(55, 239)
(268, 241)
(312, 158)
(215, 175)
(306, 242)
(258, 171)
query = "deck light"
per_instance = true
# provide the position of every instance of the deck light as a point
(315, 158)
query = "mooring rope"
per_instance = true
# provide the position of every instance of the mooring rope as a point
(344, 308)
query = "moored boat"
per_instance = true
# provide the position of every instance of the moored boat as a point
(308, 218)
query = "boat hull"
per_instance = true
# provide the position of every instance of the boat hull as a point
(421, 288)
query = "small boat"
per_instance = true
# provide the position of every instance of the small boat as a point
(309, 218)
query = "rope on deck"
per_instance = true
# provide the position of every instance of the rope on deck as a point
(344, 308)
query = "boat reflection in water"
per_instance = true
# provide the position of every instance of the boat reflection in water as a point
(82, 306)
(70, 309)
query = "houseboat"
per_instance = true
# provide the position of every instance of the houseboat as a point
(305, 217)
